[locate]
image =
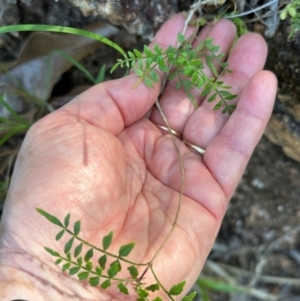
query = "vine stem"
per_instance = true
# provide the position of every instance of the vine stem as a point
(103, 251)
(189, 17)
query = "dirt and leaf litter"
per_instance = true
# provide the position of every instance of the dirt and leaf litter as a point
(257, 253)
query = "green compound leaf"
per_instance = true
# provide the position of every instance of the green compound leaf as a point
(211, 66)
(122, 288)
(172, 75)
(59, 235)
(292, 11)
(66, 266)
(131, 55)
(78, 250)
(51, 218)
(142, 293)
(94, 281)
(58, 261)
(126, 249)
(133, 272)
(89, 266)
(67, 220)
(206, 90)
(147, 51)
(153, 287)
(137, 53)
(68, 245)
(180, 37)
(212, 98)
(69, 256)
(106, 284)
(218, 105)
(89, 254)
(83, 275)
(114, 67)
(77, 227)
(51, 252)
(74, 270)
(189, 297)
(177, 289)
(157, 49)
(98, 271)
(79, 261)
(114, 269)
(149, 61)
(148, 82)
(138, 72)
(154, 76)
(229, 109)
(102, 261)
(106, 242)
(158, 299)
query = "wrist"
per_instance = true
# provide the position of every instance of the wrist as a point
(26, 277)
(16, 284)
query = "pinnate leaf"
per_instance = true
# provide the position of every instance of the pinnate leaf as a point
(114, 269)
(147, 51)
(148, 82)
(180, 37)
(106, 242)
(218, 106)
(67, 220)
(83, 275)
(153, 287)
(94, 281)
(77, 227)
(89, 254)
(212, 98)
(51, 218)
(89, 265)
(78, 250)
(206, 90)
(66, 266)
(98, 271)
(74, 270)
(126, 249)
(51, 252)
(68, 245)
(58, 261)
(60, 234)
(154, 76)
(137, 53)
(177, 289)
(106, 284)
(142, 293)
(211, 66)
(133, 271)
(102, 261)
(189, 297)
(122, 288)
(138, 72)
(79, 261)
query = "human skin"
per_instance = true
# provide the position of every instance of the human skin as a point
(99, 159)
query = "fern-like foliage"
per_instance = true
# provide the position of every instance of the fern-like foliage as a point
(77, 261)
(185, 64)
(292, 11)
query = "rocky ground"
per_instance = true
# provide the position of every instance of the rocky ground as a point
(260, 235)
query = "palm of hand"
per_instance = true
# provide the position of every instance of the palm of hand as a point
(113, 170)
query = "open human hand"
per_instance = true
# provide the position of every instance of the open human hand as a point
(101, 160)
